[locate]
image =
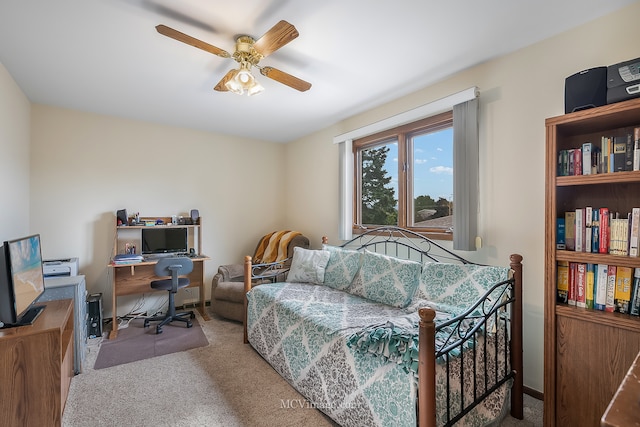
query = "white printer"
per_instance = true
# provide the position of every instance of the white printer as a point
(60, 267)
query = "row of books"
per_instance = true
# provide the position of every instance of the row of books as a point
(610, 154)
(598, 230)
(599, 287)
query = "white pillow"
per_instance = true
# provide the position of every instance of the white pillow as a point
(307, 266)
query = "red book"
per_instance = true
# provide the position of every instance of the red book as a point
(581, 285)
(573, 291)
(604, 231)
(577, 162)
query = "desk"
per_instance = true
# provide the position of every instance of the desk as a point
(130, 279)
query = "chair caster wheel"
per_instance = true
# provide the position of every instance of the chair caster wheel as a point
(193, 315)
(146, 323)
(158, 331)
(189, 324)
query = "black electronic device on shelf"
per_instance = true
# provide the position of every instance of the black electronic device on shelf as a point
(585, 89)
(623, 81)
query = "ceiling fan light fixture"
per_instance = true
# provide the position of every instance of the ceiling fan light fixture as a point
(243, 81)
(255, 89)
(233, 86)
(245, 78)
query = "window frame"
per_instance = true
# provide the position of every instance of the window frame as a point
(402, 134)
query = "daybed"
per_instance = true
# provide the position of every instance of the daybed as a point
(392, 329)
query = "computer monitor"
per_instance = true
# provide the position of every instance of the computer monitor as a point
(164, 240)
(21, 280)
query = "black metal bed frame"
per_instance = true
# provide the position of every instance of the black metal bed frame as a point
(466, 330)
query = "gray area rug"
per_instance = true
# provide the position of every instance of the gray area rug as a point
(225, 383)
(136, 342)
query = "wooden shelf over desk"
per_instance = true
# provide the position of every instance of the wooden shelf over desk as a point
(130, 279)
(166, 222)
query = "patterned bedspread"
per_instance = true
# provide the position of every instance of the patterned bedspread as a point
(310, 334)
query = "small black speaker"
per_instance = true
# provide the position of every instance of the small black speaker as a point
(121, 216)
(94, 315)
(586, 89)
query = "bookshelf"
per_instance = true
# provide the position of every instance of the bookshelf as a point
(587, 352)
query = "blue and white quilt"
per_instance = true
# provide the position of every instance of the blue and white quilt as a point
(352, 358)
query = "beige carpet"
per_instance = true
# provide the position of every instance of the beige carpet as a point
(223, 384)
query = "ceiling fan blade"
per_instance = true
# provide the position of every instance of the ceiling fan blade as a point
(177, 35)
(220, 87)
(278, 36)
(284, 78)
(175, 14)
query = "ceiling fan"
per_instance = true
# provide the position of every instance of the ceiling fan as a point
(248, 53)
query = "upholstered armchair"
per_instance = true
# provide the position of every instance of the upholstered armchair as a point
(227, 286)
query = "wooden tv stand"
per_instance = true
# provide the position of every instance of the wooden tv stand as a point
(36, 367)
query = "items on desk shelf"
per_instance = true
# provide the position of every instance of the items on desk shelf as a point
(121, 216)
(127, 259)
(135, 219)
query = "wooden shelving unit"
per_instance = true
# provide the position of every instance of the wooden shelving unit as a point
(587, 352)
(131, 279)
(194, 230)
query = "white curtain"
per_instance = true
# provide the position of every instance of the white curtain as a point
(346, 190)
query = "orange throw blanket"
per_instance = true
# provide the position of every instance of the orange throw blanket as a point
(273, 246)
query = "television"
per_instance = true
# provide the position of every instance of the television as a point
(164, 240)
(21, 281)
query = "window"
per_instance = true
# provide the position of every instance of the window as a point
(404, 176)
(465, 168)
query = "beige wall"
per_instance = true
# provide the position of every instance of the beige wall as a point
(85, 166)
(14, 158)
(81, 167)
(517, 93)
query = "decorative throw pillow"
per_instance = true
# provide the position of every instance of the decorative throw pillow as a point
(386, 279)
(458, 284)
(342, 267)
(307, 266)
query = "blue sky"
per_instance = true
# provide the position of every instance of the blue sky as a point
(433, 165)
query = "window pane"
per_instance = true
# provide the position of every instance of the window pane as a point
(431, 192)
(380, 184)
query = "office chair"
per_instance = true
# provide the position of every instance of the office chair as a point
(173, 267)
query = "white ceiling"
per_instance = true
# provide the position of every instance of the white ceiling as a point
(105, 56)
